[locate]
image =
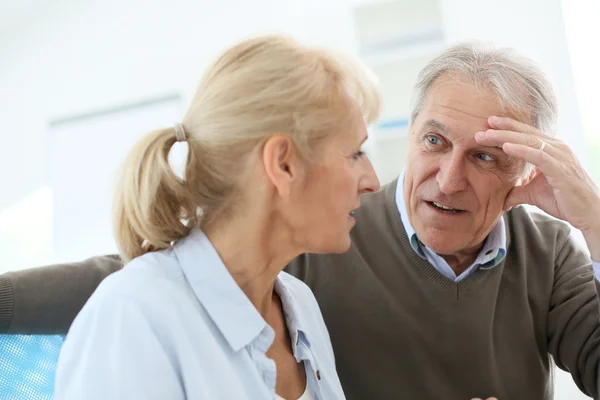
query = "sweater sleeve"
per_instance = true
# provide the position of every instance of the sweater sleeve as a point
(46, 300)
(574, 316)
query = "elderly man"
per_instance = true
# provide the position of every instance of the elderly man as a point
(450, 290)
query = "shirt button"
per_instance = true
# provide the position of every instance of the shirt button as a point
(318, 375)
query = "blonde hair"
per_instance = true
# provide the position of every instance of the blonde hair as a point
(258, 88)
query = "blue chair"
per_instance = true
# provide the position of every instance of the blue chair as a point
(27, 366)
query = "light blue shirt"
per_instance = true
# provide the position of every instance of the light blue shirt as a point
(174, 325)
(492, 253)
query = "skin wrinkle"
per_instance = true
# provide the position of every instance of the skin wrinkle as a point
(448, 166)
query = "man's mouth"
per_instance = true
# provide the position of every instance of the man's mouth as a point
(444, 208)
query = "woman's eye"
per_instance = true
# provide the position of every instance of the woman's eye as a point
(358, 155)
(485, 157)
(433, 139)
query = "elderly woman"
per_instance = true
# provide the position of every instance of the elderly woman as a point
(203, 310)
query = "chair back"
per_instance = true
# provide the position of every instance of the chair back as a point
(28, 365)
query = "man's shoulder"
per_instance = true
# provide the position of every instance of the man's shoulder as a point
(376, 202)
(375, 215)
(98, 266)
(527, 224)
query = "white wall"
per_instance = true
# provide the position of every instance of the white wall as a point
(83, 182)
(397, 39)
(583, 31)
(537, 29)
(78, 56)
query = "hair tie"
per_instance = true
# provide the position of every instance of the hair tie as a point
(180, 134)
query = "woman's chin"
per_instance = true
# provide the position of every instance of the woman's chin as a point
(341, 245)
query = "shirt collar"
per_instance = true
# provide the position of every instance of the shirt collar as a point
(224, 301)
(401, 204)
(494, 248)
(226, 304)
(295, 319)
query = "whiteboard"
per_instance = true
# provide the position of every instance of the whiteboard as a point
(84, 155)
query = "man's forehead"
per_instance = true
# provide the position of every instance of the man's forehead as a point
(434, 123)
(458, 100)
(451, 126)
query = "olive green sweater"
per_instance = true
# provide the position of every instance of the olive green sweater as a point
(401, 330)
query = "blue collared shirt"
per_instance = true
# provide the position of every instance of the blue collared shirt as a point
(174, 325)
(492, 253)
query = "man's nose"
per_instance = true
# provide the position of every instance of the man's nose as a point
(452, 175)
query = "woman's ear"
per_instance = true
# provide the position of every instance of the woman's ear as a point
(281, 162)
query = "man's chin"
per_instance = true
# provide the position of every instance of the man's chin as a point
(442, 242)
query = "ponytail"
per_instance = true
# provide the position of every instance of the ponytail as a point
(150, 199)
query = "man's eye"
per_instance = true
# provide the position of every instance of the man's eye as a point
(433, 139)
(485, 157)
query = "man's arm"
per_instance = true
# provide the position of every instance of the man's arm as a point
(574, 317)
(562, 188)
(46, 300)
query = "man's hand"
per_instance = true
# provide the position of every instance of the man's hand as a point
(561, 187)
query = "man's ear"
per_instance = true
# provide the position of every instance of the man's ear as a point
(528, 178)
(281, 162)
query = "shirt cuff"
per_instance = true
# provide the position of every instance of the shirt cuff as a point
(596, 266)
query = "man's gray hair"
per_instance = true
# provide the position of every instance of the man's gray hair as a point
(520, 84)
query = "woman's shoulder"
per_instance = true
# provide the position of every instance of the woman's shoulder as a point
(151, 288)
(149, 283)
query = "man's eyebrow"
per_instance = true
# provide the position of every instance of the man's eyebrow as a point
(434, 123)
(495, 149)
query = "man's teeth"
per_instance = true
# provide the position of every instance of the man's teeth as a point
(438, 205)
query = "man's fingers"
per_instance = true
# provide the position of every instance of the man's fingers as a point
(509, 124)
(517, 196)
(498, 138)
(543, 161)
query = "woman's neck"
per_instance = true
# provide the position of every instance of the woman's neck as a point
(254, 253)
